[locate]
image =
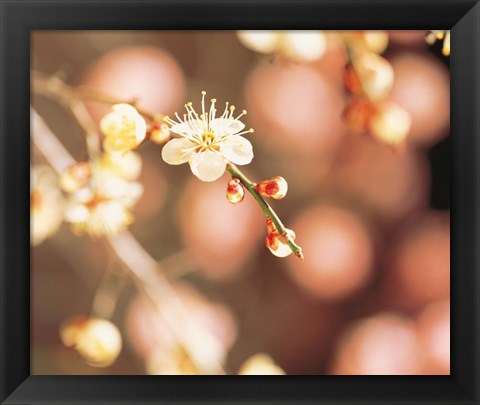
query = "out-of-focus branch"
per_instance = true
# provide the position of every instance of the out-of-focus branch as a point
(108, 291)
(49, 146)
(199, 343)
(55, 86)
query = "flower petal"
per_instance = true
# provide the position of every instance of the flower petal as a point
(237, 149)
(178, 151)
(225, 126)
(208, 165)
(189, 128)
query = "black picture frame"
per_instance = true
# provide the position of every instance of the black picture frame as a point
(19, 17)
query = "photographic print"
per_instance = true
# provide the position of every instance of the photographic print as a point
(240, 202)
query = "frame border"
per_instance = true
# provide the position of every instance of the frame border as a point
(18, 17)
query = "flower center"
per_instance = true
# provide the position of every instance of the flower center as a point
(207, 142)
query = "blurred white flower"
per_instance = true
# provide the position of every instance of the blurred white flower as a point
(208, 143)
(103, 207)
(260, 364)
(127, 165)
(301, 46)
(46, 204)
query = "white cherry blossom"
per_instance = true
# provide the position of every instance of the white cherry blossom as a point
(208, 143)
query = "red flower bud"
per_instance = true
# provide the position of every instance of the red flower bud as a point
(235, 191)
(276, 243)
(276, 188)
(159, 132)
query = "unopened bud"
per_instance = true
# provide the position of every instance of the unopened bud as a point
(374, 76)
(159, 133)
(390, 124)
(97, 340)
(75, 177)
(275, 188)
(235, 191)
(276, 243)
(370, 41)
(375, 41)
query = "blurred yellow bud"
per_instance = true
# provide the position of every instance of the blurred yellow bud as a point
(160, 133)
(76, 176)
(369, 41)
(124, 129)
(97, 340)
(375, 75)
(375, 41)
(260, 364)
(390, 124)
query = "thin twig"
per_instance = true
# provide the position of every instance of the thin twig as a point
(267, 210)
(79, 111)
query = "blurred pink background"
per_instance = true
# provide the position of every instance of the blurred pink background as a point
(371, 296)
